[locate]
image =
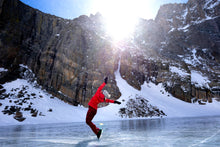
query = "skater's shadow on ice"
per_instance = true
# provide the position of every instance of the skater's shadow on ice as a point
(91, 142)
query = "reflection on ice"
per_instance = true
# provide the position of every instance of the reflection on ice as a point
(142, 124)
(204, 131)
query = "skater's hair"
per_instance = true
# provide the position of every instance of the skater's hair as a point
(106, 94)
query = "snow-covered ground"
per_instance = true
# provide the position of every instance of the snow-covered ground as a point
(63, 112)
(157, 96)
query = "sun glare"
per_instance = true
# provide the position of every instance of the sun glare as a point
(121, 16)
(119, 27)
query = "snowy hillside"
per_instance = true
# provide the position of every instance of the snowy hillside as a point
(157, 96)
(29, 99)
(48, 108)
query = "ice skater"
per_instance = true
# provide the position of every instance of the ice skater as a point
(99, 97)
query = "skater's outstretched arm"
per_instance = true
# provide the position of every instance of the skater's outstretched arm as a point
(109, 101)
(112, 101)
(101, 87)
(103, 84)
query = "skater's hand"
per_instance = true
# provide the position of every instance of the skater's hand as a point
(106, 80)
(117, 102)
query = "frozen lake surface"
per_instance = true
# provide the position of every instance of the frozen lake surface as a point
(200, 131)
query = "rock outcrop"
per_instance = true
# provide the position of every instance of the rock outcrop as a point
(139, 107)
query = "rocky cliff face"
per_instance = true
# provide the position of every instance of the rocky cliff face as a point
(71, 57)
(184, 38)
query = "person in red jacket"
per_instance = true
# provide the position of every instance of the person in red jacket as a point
(99, 97)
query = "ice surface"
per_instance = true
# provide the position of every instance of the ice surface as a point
(187, 132)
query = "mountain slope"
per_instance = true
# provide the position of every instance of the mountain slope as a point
(37, 106)
(184, 37)
(70, 58)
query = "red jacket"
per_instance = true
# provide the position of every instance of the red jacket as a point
(99, 98)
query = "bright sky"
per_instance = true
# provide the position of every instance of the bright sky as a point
(124, 12)
(73, 8)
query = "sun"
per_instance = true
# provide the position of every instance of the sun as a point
(120, 27)
(121, 16)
